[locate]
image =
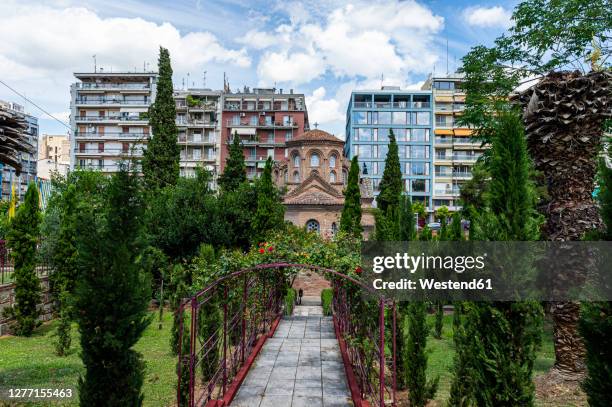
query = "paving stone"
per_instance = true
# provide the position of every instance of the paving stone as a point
(280, 388)
(333, 401)
(252, 380)
(283, 373)
(249, 391)
(251, 401)
(307, 392)
(307, 401)
(275, 401)
(314, 384)
(311, 373)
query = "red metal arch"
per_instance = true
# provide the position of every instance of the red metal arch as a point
(360, 391)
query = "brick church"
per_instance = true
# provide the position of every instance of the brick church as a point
(313, 176)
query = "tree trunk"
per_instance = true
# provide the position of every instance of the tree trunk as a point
(564, 115)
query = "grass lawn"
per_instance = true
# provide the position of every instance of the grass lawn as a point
(32, 363)
(441, 352)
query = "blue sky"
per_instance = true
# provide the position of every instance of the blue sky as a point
(323, 49)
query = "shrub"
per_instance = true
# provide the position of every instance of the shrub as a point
(290, 301)
(327, 296)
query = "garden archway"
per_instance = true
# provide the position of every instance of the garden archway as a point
(216, 352)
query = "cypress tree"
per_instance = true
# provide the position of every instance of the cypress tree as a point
(112, 296)
(160, 162)
(22, 239)
(350, 220)
(455, 232)
(407, 221)
(270, 211)
(502, 337)
(425, 234)
(420, 389)
(234, 173)
(391, 182)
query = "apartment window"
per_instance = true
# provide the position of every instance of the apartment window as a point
(270, 138)
(418, 185)
(270, 153)
(419, 151)
(383, 134)
(420, 135)
(364, 151)
(314, 160)
(100, 147)
(384, 117)
(288, 136)
(444, 85)
(360, 117)
(364, 134)
(332, 161)
(100, 164)
(287, 120)
(197, 137)
(235, 119)
(101, 113)
(442, 202)
(82, 163)
(418, 168)
(444, 121)
(82, 113)
(252, 153)
(253, 120)
(383, 149)
(375, 168)
(423, 118)
(372, 117)
(81, 147)
(400, 134)
(197, 153)
(399, 117)
(125, 147)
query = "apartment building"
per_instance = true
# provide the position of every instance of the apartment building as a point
(455, 152)
(53, 155)
(109, 118)
(8, 175)
(371, 114)
(198, 118)
(264, 119)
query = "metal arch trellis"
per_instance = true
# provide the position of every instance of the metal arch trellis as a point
(245, 306)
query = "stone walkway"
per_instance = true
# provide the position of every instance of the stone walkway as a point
(300, 366)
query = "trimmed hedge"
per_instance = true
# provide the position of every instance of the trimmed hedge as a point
(326, 300)
(290, 301)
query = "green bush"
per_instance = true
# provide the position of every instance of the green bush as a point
(290, 301)
(326, 300)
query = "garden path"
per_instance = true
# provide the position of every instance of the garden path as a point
(300, 366)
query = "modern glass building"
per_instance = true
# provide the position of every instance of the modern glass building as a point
(370, 117)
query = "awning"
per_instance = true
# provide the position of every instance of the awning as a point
(463, 132)
(448, 132)
(444, 99)
(244, 131)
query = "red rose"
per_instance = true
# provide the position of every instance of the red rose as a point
(270, 248)
(262, 251)
(358, 270)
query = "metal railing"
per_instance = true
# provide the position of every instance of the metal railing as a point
(108, 118)
(225, 325)
(392, 105)
(247, 123)
(131, 86)
(110, 134)
(7, 265)
(111, 102)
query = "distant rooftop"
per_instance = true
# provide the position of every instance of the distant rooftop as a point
(105, 74)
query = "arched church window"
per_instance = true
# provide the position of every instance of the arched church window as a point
(332, 161)
(332, 176)
(296, 160)
(312, 226)
(314, 160)
(296, 177)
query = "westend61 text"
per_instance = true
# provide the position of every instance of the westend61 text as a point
(431, 284)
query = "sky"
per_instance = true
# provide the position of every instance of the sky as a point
(323, 48)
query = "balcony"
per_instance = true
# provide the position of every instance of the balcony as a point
(389, 105)
(195, 123)
(110, 135)
(112, 102)
(261, 124)
(282, 107)
(447, 191)
(196, 140)
(111, 118)
(121, 86)
(95, 152)
(443, 140)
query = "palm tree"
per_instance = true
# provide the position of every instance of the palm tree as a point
(564, 115)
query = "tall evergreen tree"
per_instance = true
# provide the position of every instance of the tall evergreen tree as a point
(270, 211)
(407, 221)
(502, 337)
(234, 173)
(350, 220)
(420, 389)
(160, 163)
(391, 182)
(22, 239)
(112, 296)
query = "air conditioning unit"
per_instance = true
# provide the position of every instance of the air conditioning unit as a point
(242, 114)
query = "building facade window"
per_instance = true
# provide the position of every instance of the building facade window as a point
(332, 176)
(332, 161)
(334, 229)
(296, 160)
(314, 160)
(312, 226)
(296, 177)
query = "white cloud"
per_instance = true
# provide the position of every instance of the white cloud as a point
(321, 110)
(258, 39)
(357, 40)
(496, 16)
(283, 67)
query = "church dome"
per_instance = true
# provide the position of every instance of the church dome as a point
(316, 135)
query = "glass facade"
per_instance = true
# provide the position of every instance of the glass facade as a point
(373, 115)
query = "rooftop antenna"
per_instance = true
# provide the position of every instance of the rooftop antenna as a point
(183, 84)
(95, 64)
(382, 79)
(204, 79)
(188, 78)
(447, 56)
